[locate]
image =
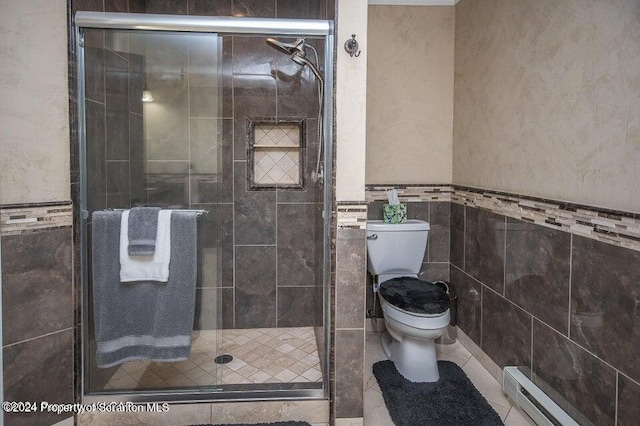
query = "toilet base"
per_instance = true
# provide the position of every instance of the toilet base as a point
(414, 359)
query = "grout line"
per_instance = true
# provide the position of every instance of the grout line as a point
(38, 337)
(615, 417)
(531, 359)
(504, 259)
(570, 283)
(464, 236)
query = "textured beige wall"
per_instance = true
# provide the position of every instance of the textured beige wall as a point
(34, 123)
(351, 86)
(410, 94)
(547, 99)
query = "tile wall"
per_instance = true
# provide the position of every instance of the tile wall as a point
(548, 286)
(561, 305)
(37, 308)
(264, 257)
(347, 358)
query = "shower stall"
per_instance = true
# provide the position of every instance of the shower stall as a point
(228, 116)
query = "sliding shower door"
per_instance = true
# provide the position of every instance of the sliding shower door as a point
(224, 123)
(156, 126)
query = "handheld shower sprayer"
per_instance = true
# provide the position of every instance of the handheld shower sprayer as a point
(297, 50)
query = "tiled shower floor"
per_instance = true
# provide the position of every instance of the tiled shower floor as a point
(260, 355)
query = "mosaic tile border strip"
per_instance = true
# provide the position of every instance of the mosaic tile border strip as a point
(410, 193)
(16, 220)
(351, 215)
(610, 226)
(607, 226)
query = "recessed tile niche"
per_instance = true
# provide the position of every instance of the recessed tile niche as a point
(276, 153)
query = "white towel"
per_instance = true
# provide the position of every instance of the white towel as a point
(146, 268)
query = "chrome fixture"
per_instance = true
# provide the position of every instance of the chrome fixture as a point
(298, 52)
(351, 46)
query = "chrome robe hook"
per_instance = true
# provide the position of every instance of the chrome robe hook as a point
(351, 46)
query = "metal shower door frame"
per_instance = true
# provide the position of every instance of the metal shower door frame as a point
(221, 26)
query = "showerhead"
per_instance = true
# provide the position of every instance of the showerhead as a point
(298, 52)
(297, 47)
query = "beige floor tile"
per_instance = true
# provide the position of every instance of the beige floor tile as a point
(517, 418)
(488, 386)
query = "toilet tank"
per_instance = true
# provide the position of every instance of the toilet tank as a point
(396, 248)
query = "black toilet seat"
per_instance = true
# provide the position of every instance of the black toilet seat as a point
(415, 296)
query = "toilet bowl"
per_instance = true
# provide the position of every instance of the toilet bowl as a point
(415, 312)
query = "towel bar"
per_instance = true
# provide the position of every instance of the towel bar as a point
(198, 212)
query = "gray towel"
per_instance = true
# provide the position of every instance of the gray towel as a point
(143, 227)
(143, 320)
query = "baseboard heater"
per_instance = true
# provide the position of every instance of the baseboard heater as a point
(532, 400)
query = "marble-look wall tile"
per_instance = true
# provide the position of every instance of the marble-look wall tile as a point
(506, 331)
(537, 271)
(209, 311)
(210, 7)
(254, 8)
(349, 373)
(136, 81)
(469, 303)
(605, 299)
(439, 220)
(216, 238)
(167, 123)
(457, 235)
(434, 271)
(628, 401)
(36, 284)
(95, 136)
(94, 70)
(137, 143)
(116, 76)
(39, 370)
(116, 6)
(254, 96)
(351, 263)
(255, 211)
(484, 247)
(137, 6)
(585, 382)
(296, 307)
(211, 160)
(118, 185)
(168, 184)
(173, 7)
(297, 86)
(297, 244)
(255, 284)
(302, 9)
(228, 320)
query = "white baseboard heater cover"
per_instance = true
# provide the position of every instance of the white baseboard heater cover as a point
(532, 400)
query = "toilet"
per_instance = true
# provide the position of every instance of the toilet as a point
(416, 312)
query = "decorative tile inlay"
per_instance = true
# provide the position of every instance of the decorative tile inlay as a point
(619, 228)
(613, 227)
(408, 193)
(18, 220)
(352, 216)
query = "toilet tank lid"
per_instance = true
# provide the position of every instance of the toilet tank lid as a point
(409, 225)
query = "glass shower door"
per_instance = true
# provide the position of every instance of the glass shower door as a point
(155, 130)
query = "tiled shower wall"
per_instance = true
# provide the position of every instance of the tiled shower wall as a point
(37, 308)
(271, 240)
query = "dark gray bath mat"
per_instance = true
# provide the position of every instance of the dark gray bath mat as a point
(262, 424)
(452, 400)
